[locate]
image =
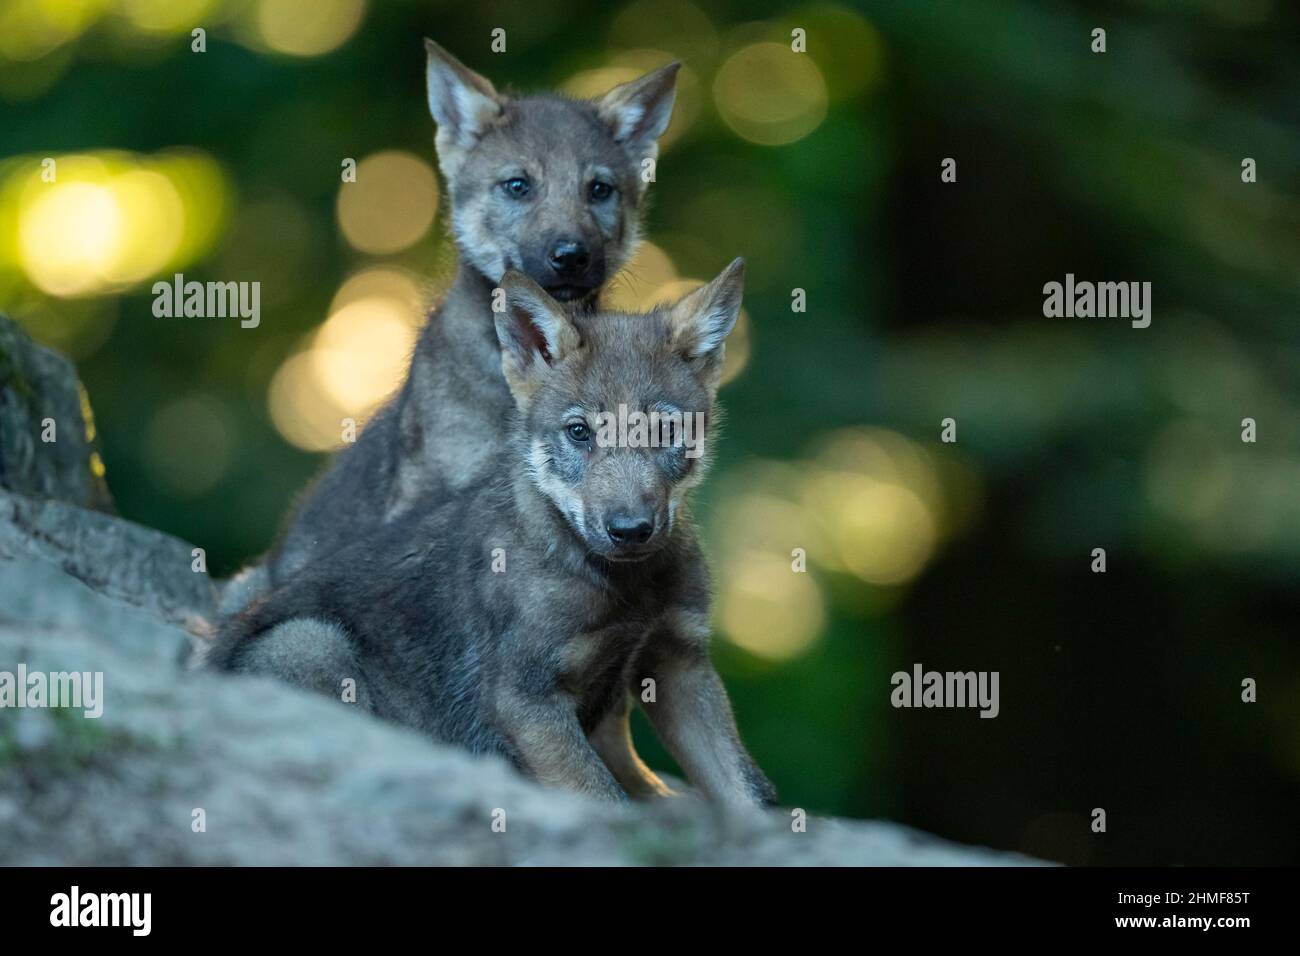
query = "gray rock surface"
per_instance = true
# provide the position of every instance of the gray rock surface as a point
(116, 558)
(285, 777)
(36, 386)
(277, 775)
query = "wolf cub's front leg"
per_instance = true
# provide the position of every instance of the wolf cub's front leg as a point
(692, 715)
(549, 742)
(612, 738)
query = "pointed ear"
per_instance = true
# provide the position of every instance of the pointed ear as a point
(463, 103)
(533, 330)
(638, 112)
(701, 322)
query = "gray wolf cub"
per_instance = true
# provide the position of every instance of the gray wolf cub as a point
(522, 616)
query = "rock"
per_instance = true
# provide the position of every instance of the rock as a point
(118, 559)
(285, 777)
(40, 596)
(39, 391)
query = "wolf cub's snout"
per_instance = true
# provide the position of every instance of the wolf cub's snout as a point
(576, 271)
(615, 411)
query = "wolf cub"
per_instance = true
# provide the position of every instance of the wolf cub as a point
(524, 615)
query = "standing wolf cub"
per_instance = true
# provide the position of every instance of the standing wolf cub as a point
(522, 616)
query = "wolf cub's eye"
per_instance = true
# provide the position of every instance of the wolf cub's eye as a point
(578, 432)
(599, 191)
(516, 188)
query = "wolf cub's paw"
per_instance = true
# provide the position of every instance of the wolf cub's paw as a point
(661, 792)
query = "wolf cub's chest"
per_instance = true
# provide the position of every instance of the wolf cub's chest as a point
(593, 660)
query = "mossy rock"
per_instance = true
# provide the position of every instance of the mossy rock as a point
(48, 445)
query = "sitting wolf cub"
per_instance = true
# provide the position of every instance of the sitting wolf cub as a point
(520, 616)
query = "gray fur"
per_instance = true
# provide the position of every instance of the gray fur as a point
(536, 661)
(310, 653)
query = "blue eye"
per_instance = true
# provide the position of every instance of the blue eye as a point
(516, 188)
(599, 191)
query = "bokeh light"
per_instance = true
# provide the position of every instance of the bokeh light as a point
(391, 205)
(149, 198)
(110, 220)
(400, 288)
(871, 488)
(361, 352)
(847, 48)
(639, 284)
(676, 25)
(763, 516)
(308, 27)
(770, 95)
(352, 363)
(881, 529)
(30, 29)
(867, 502)
(168, 16)
(69, 237)
(768, 609)
(300, 409)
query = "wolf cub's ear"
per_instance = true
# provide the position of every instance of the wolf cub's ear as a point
(701, 321)
(463, 103)
(638, 112)
(534, 332)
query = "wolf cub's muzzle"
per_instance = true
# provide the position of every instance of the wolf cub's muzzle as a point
(572, 269)
(631, 535)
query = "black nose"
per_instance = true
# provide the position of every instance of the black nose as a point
(569, 258)
(624, 529)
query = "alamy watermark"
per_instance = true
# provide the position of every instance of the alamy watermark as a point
(77, 690)
(1102, 300)
(208, 300)
(922, 688)
(75, 908)
(667, 428)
